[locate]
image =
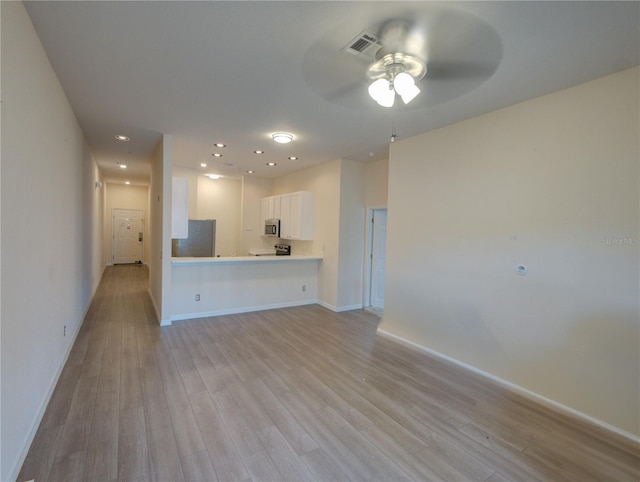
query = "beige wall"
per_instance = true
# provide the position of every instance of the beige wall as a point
(552, 184)
(377, 173)
(253, 190)
(121, 196)
(51, 219)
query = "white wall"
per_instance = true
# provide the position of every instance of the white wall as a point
(552, 184)
(51, 223)
(121, 196)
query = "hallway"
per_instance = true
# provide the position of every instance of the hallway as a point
(290, 394)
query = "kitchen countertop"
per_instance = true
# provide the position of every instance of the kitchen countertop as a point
(262, 251)
(244, 259)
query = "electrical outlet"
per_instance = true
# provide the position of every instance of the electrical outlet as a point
(198, 297)
(304, 288)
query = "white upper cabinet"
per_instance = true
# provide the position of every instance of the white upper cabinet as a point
(276, 207)
(297, 215)
(270, 208)
(295, 211)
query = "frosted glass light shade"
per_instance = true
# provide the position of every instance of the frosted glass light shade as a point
(282, 137)
(406, 87)
(380, 92)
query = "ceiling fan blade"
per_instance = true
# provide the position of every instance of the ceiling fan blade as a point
(443, 70)
(333, 74)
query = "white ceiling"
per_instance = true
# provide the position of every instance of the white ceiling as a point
(234, 72)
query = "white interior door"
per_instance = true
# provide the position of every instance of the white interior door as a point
(378, 257)
(128, 232)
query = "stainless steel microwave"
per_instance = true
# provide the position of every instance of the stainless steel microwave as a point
(272, 228)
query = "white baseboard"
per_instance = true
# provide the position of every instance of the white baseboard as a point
(528, 394)
(339, 309)
(244, 309)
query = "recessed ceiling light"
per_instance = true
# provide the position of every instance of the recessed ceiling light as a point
(122, 138)
(293, 158)
(282, 137)
(127, 183)
(213, 176)
(250, 171)
(258, 151)
(203, 164)
(220, 144)
(122, 166)
(216, 154)
(271, 164)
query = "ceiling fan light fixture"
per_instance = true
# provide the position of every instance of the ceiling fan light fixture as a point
(399, 73)
(282, 137)
(380, 91)
(406, 87)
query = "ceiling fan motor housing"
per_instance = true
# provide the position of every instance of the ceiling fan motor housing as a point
(391, 65)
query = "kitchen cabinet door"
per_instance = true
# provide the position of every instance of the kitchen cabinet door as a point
(285, 216)
(297, 219)
(295, 205)
(264, 212)
(275, 204)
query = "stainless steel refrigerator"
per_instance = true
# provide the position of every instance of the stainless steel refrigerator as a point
(201, 240)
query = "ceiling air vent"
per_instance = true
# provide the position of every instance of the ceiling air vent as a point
(365, 44)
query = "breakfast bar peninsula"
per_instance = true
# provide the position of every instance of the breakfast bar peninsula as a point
(202, 287)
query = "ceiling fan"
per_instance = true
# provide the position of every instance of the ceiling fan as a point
(424, 57)
(395, 70)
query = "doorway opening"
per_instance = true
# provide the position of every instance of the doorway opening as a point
(376, 260)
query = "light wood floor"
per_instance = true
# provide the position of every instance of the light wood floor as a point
(290, 394)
